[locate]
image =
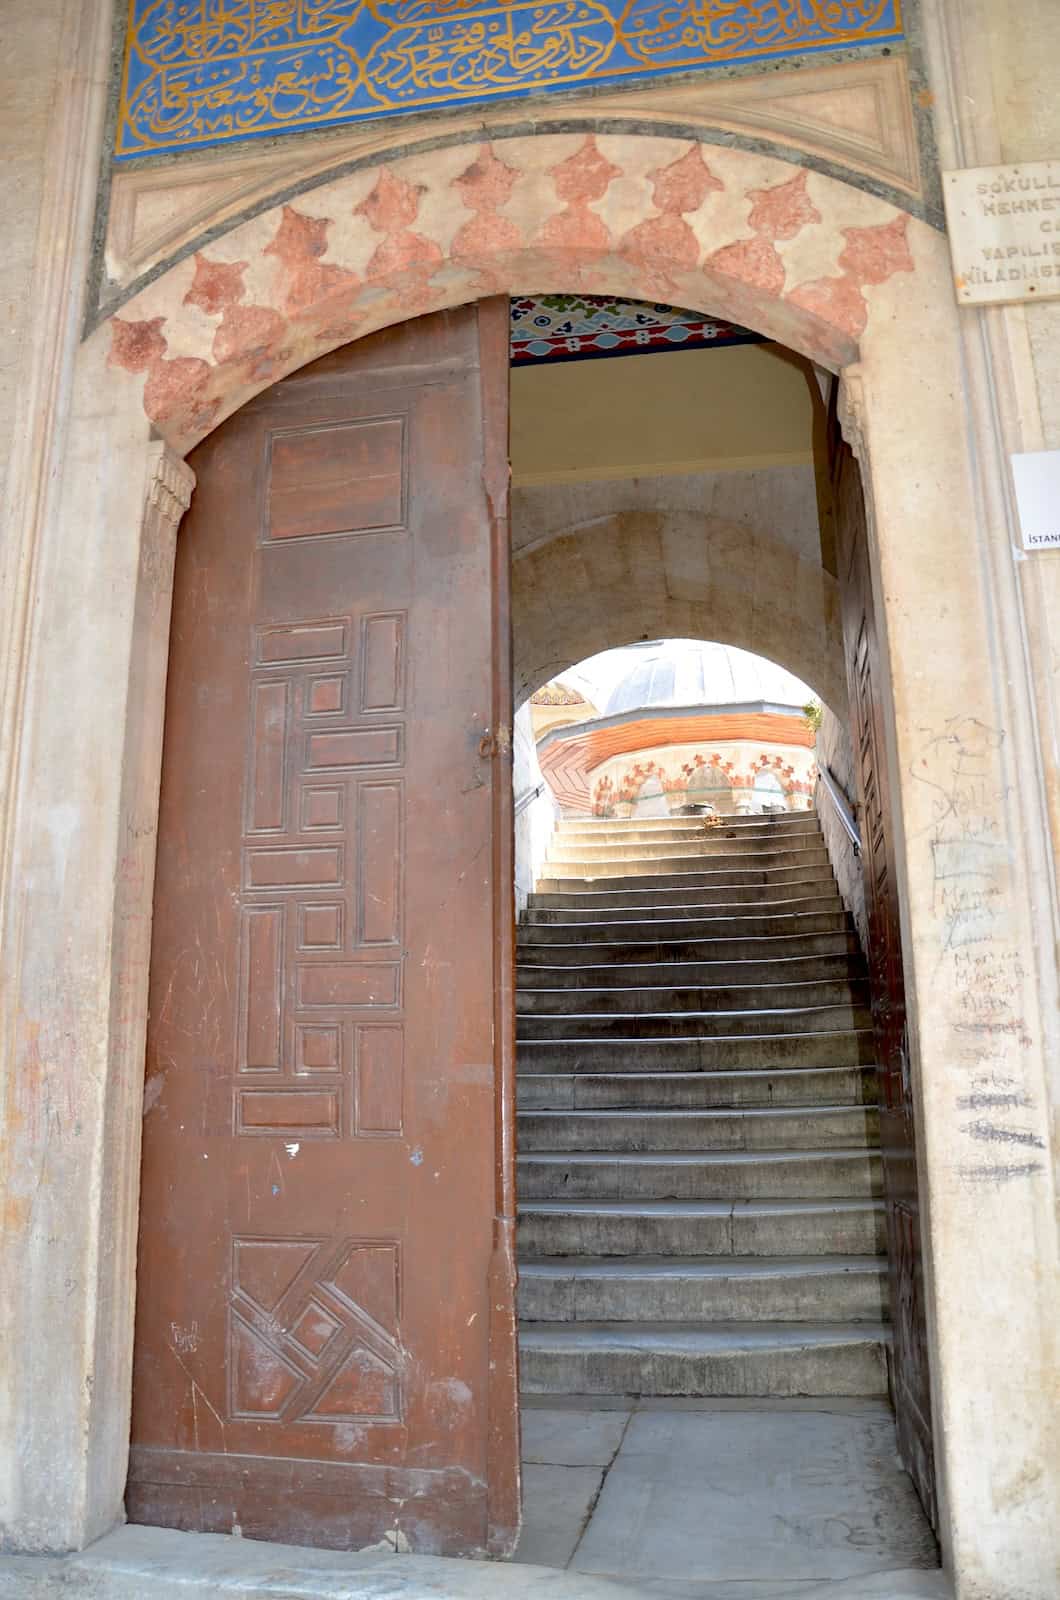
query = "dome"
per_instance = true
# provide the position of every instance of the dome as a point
(685, 672)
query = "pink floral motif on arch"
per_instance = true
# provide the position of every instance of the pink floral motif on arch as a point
(611, 215)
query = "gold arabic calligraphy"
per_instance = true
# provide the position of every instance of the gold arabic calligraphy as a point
(197, 71)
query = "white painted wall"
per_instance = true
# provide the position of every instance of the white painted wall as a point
(536, 821)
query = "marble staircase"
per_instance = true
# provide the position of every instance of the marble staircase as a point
(699, 1173)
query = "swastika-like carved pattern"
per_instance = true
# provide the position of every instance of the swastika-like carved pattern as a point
(321, 1031)
(314, 1331)
(216, 70)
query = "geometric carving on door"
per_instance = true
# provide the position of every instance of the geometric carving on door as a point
(323, 884)
(314, 1331)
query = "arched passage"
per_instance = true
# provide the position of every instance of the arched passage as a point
(837, 274)
(672, 574)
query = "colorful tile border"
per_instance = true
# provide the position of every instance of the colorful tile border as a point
(561, 327)
(201, 72)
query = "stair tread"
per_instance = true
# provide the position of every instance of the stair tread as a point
(640, 1113)
(702, 1208)
(697, 1337)
(687, 1016)
(696, 1157)
(717, 1039)
(698, 1266)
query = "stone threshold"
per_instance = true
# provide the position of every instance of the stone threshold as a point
(134, 1563)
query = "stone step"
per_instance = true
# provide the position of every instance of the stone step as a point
(722, 894)
(646, 875)
(775, 819)
(704, 975)
(734, 1358)
(682, 829)
(841, 1049)
(590, 918)
(852, 1173)
(700, 1289)
(691, 1024)
(685, 923)
(686, 856)
(547, 1228)
(752, 947)
(624, 999)
(695, 1091)
(718, 1130)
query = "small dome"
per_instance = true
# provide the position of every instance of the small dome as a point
(685, 672)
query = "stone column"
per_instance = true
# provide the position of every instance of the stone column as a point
(75, 953)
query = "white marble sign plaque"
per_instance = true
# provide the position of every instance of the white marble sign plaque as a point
(1036, 474)
(1004, 225)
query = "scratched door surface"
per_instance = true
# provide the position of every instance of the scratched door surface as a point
(909, 1373)
(325, 1347)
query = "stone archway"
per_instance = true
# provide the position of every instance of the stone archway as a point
(673, 575)
(834, 272)
(800, 257)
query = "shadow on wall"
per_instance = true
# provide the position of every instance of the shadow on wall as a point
(836, 752)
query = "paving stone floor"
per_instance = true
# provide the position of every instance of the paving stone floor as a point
(716, 1499)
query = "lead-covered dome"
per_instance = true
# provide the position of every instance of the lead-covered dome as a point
(686, 672)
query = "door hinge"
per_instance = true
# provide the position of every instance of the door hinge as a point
(495, 744)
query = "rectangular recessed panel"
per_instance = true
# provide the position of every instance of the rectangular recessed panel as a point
(294, 866)
(318, 1047)
(354, 747)
(268, 740)
(322, 806)
(379, 877)
(320, 927)
(326, 696)
(349, 983)
(345, 478)
(383, 654)
(288, 1111)
(380, 1079)
(261, 993)
(304, 641)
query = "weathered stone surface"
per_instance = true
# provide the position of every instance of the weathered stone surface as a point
(766, 1495)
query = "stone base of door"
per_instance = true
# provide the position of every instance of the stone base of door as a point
(135, 1561)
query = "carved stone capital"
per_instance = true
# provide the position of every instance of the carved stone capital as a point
(850, 406)
(169, 484)
(167, 496)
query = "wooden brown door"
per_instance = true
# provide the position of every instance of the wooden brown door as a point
(909, 1362)
(325, 1343)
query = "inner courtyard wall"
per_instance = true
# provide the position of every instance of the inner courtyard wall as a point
(679, 766)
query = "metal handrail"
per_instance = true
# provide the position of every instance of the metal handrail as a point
(528, 797)
(842, 807)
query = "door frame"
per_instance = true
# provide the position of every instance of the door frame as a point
(962, 742)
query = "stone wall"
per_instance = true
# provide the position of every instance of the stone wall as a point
(733, 557)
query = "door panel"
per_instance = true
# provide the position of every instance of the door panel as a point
(909, 1365)
(325, 1347)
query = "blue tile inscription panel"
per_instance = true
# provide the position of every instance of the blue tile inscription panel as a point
(200, 72)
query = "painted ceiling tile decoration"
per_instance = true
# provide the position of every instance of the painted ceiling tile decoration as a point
(563, 327)
(201, 72)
